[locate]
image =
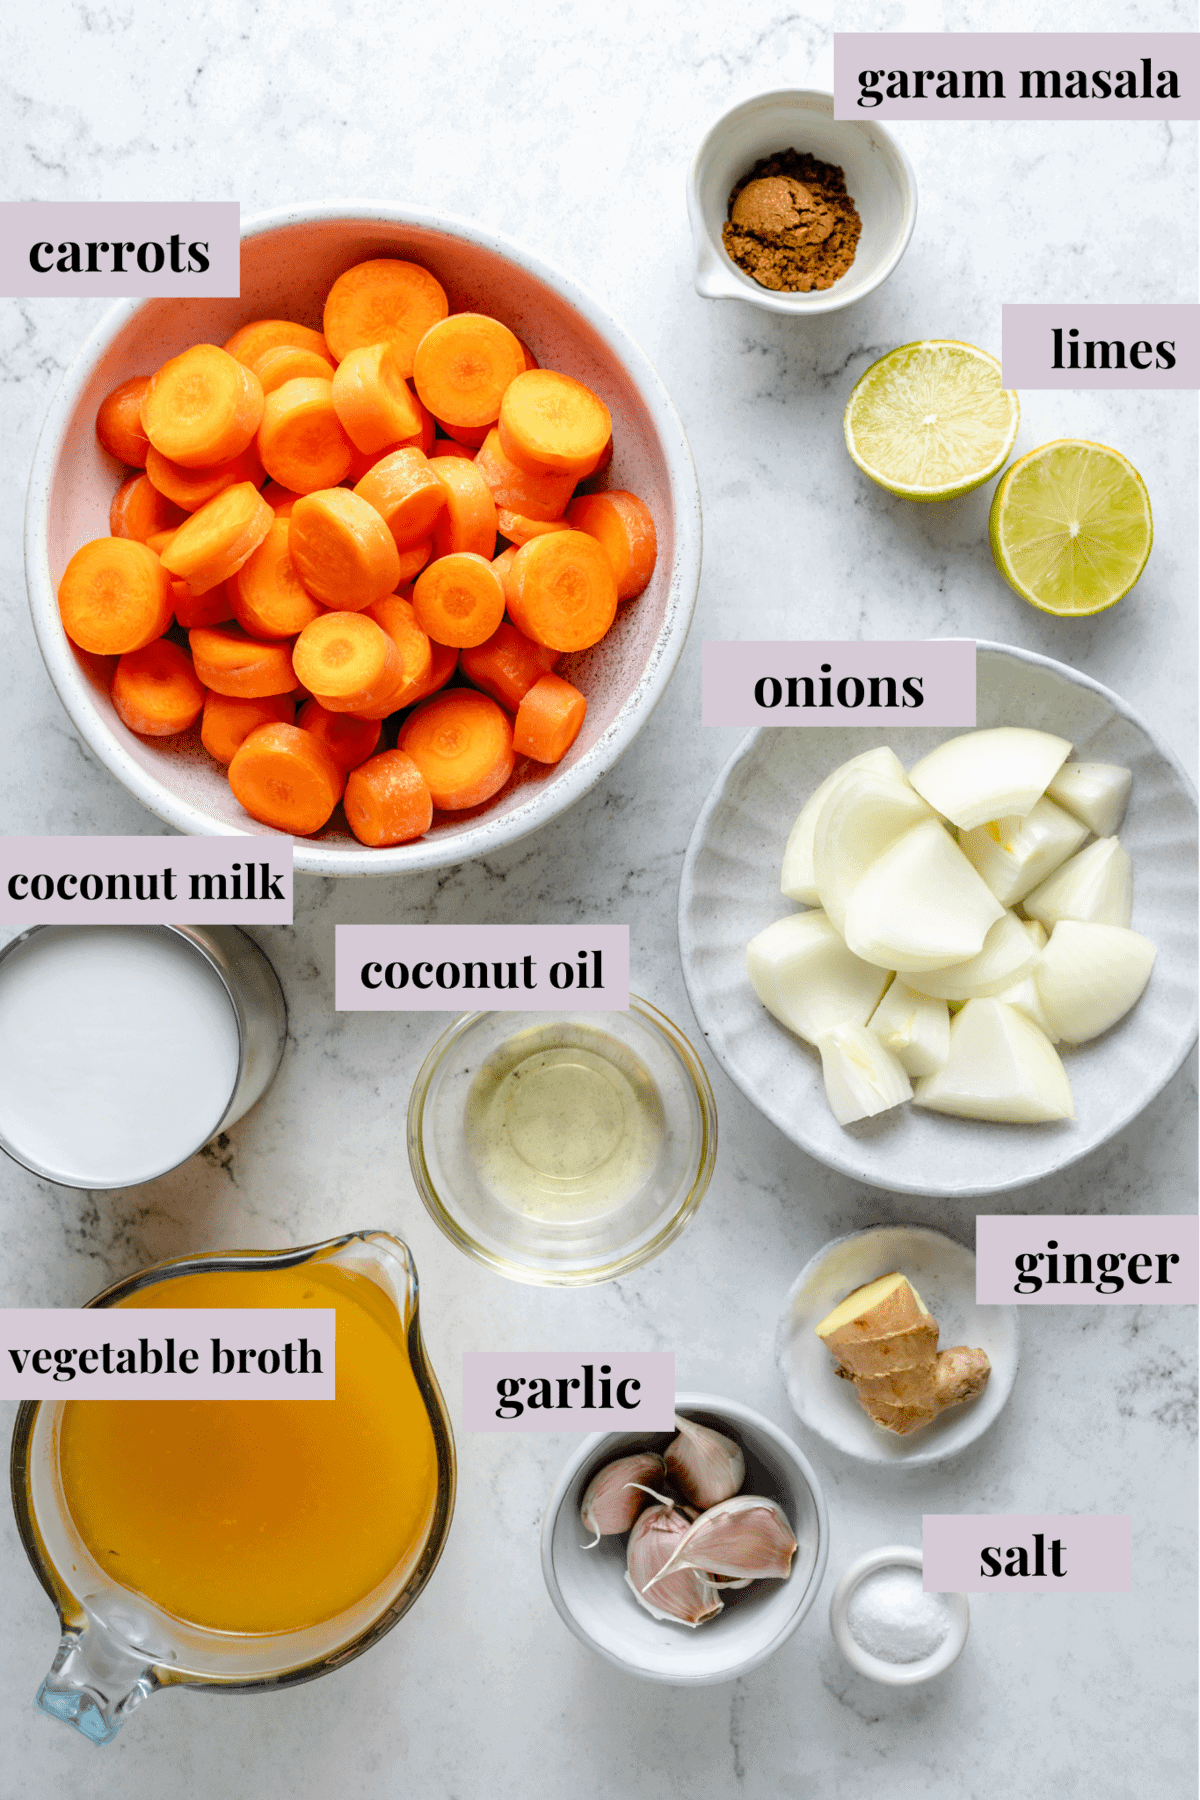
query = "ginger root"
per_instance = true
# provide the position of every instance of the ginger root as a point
(884, 1339)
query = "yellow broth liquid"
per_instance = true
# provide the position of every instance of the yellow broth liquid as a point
(261, 1515)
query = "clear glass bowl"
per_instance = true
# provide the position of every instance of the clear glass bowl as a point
(562, 1229)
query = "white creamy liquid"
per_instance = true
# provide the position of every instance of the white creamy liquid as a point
(118, 1052)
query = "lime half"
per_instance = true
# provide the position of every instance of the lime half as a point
(930, 421)
(1070, 527)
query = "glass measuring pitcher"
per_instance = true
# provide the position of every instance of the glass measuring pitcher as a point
(121, 1642)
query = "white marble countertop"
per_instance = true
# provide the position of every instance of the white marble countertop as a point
(571, 128)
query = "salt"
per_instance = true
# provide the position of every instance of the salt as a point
(892, 1617)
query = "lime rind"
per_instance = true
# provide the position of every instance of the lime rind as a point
(1071, 528)
(931, 420)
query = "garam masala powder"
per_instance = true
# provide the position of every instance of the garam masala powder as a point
(792, 225)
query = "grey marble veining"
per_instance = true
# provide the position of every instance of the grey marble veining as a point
(571, 127)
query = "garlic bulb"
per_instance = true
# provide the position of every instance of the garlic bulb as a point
(687, 1596)
(914, 1027)
(1094, 888)
(862, 1077)
(1090, 976)
(705, 1466)
(747, 1537)
(798, 879)
(803, 973)
(1097, 793)
(989, 774)
(613, 1498)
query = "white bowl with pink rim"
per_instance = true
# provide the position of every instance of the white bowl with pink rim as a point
(290, 259)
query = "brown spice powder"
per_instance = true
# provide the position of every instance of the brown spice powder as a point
(792, 226)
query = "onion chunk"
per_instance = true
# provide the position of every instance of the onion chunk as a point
(803, 973)
(989, 774)
(1090, 975)
(1095, 888)
(1000, 1067)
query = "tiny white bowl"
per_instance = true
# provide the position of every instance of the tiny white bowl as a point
(894, 1674)
(589, 1589)
(879, 179)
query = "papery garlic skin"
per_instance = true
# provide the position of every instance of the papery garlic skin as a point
(803, 974)
(1013, 855)
(1090, 976)
(798, 878)
(747, 1537)
(705, 1466)
(687, 1596)
(914, 1027)
(612, 1501)
(990, 774)
(1097, 793)
(1094, 888)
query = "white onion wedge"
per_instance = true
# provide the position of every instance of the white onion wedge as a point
(913, 1027)
(1094, 888)
(1000, 1067)
(1037, 932)
(1097, 793)
(862, 817)
(797, 879)
(1024, 997)
(1008, 955)
(920, 905)
(803, 973)
(989, 774)
(1013, 855)
(1090, 975)
(862, 1078)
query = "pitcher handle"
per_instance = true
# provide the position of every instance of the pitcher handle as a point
(95, 1683)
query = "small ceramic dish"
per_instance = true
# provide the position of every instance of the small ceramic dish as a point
(943, 1273)
(729, 891)
(546, 1223)
(593, 1600)
(907, 1674)
(879, 179)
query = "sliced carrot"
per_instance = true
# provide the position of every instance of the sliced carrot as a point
(406, 493)
(387, 800)
(290, 362)
(190, 488)
(507, 665)
(287, 778)
(443, 663)
(214, 543)
(467, 437)
(503, 563)
(156, 691)
(372, 398)
(351, 740)
(413, 560)
(548, 719)
(230, 662)
(383, 301)
(424, 438)
(531, 361)
(251, 341)
(344, 553)
(561, 591)
(397, 616)
(551, 421)
(469, 521)
(228, 721)
(211, 608)
(268, 597)
(515, 489)
(280, 499)
(459, 599)
(621, 524)
(300, 440)
(445, 446)
(114, 596)
(462, 743)
(202, 407)
(119, 422)
(139, 511)
(463, 365)
(347, 660)
(518, 529)
(160, 539)
(599, 468)
(100, 669)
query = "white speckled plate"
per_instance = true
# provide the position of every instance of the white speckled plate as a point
(730, 891)
(943, 1273)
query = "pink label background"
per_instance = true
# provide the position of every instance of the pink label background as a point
(186, 856)
(1028, 344)
(655, 1369)
(24, 223)
(356, 945)
(1097, 1552)
(999, 1239)
(90, 1327)
(1010, 52)
(729, 672)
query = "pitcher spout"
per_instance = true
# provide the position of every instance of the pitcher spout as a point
(95, 1683)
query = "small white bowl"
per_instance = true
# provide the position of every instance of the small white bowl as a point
(593, 1600)
(879, 179)
(894, 1674)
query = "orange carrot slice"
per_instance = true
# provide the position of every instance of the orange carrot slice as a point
(413, 560)
(190, 488)
(469, 521)
(467, 437)
(561, 591)
(406, 493)
(344, 553)
(269, 600)
(531, 361)
(160, 539)
(426, 666)
(119, 422)
(548, 719)
(114, 596)
(351, 740)
(516, 490)
(290, 362)
(423, 440)
(459, 599)
(287, 778)
(551, 421)
(503, 563)
(230, 662)
(251, 341)
(300, 440)
(445, 446)
(228, 721)
(507, 665)
(139, 511)
(202, 407)
(383, 301)
(347, 660)
(387, 800)
(621, 524)
(518, 529)
(155, 690)
(210, 608)
(462, 743)
(280, 499)
(599, 468)
(218, 538)
(463, 365)
(373, 400)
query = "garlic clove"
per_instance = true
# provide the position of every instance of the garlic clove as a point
(613, 1500)
(1097, 793)
(687, 1596)
(798, 878)
(705, 1466)
(747, 1537)
(1094, 888)
(803, 973)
